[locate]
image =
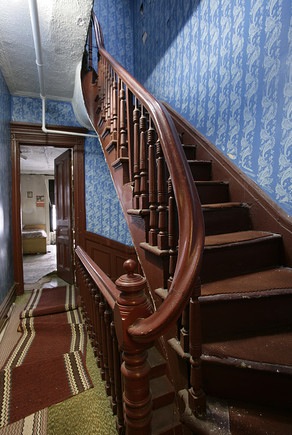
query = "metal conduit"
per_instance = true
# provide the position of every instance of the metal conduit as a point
(34, 17)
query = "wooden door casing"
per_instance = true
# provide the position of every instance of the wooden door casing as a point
(32, 134)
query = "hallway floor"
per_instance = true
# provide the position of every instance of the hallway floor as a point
(37, 267)
(88, 413)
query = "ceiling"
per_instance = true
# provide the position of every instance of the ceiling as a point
(38, 159)
(63, 29)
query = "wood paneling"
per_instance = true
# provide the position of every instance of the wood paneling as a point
(108, 254)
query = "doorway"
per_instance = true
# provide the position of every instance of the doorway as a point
(32, 135)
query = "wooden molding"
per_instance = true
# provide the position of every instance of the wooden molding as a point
(6, 304)
(32, 134)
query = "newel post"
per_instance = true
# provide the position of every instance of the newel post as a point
(131, 305)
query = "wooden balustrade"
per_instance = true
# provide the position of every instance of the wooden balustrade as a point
(139, 130)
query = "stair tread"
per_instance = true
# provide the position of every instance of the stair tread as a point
(166, 421)
(247, 419)
(267, 280)
(223, 205)
(210, 182)
(274, 349)
(237, 237)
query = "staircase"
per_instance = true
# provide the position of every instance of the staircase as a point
(246, 304)
(243, 303)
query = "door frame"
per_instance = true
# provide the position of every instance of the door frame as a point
(32, 134)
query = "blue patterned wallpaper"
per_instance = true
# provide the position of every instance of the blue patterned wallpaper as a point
(27, 109)
(6, 254)
(116, 20)
(227, 68)
(103, 211)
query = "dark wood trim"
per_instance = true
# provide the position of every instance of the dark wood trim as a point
(266, 215)
(32, 134)
(5, 306)
(108, 254)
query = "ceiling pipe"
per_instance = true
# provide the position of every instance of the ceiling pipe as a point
(34, 17)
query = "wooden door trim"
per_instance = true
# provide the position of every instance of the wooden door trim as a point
(32, 134)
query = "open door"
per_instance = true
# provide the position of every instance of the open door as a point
(64, 231)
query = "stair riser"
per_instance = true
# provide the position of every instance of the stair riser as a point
(226, 220)
(237, 259)
(190, 152)
(227, 319)
(201, 171)
(254, 386)
(214, 193)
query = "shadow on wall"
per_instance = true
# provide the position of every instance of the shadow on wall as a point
(168, 15)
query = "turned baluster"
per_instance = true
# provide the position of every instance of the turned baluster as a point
(101, 82)
(123, 151)
(95, 336)
(135, 370)
(118, 395)
(108, 98)
(99, 356)
(114, 114)
(108, 352)
(185, 329)
(90, 47)
(90, 310)
(136, 190)
(172, 232)
(86, 297)
(104, 365)
(197, 398)
(153, 217)
(162, 239)
(144, 200)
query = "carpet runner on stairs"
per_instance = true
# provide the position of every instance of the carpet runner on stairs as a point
(47, 364)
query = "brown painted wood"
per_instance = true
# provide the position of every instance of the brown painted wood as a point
(32, 134)
(5, 306)
(64, 206)
(108, 254)
(135, 370)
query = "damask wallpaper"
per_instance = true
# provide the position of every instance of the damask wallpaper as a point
(103, 211)
(27, 109)
(227, 68)
(116, 20)
(6, 259)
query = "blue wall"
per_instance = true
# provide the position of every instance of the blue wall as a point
(6, 254)
(103, 210)
(116, 20)
(227, 68)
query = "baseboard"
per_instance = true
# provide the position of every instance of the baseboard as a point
(6, 305)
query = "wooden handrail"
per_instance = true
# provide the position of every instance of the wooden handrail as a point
(102, 281)
(191, 227)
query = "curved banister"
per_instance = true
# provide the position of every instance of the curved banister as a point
(191, 227)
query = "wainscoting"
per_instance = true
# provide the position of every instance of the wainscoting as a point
(108, 254)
